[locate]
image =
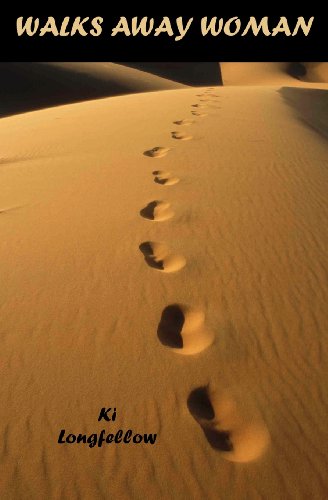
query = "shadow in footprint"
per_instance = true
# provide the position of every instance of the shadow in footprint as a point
(157, 211)
(182, 327)
(167, 181)
(170, 327)
(181, 136)
(201, 409)
(147, 251)
(161, 173)
(219, 440)
(160, 180)
(199, 404)
(157, 152)
(148, 211)
(184, 122)
(158, 256)
(197, 113)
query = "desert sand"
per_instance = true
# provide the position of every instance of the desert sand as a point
(294, 74)
(165, 253)
(30, 86)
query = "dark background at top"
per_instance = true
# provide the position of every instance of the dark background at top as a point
(194, 47)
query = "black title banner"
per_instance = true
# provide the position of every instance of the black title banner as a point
(208, 37)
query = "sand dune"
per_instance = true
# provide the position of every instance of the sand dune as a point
(87, 323)
(274, 73)
(312, 72)
(189, 73)
(311, 106)
(28, 86)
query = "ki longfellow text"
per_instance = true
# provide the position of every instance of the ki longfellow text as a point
(104, 436)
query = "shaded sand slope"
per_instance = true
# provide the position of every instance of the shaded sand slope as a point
(80, 307)
(314, 72)
(311, 106)
(274, 73)
(28, 86)
(189, 73)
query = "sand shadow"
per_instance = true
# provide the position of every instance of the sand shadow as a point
(296, 70)
(187, 73)
(148, 212)
(157, 152)
(161, 180)
(219, 440)
(170, 327)
(147, 251)
(36, 85)
(311, 106)
(201, 409)
(199, 404)
(161, 173)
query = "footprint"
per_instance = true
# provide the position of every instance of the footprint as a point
(157, 211)
(158, 256)
(162, 173)
(197, 113)
(198, 106)
(238, 437)
(181, 136)
(182, 329)
(166, 180)
(157, 152)
(6, 210)
(184, 122)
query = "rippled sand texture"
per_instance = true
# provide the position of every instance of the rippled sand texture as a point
(245, 235)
